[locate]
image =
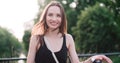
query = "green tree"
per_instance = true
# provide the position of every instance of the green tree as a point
(72, 19)
(9, 45)
(71, 14)
(95, 31)
(26, 40)
(115, 7)
(112, 5)
(82, 5)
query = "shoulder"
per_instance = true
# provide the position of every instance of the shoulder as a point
(34, 40)
(69, 39)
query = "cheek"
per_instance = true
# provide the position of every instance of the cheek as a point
(47, 18)
(60, 21)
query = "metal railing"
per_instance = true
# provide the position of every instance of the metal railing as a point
(15, 60)
(11, 60)
(107, 54)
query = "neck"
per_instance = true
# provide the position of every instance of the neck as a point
(53, 33)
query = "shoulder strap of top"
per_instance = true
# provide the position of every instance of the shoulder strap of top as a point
(64, 40)
(49, 47)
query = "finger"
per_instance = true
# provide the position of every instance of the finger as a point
(108, 60)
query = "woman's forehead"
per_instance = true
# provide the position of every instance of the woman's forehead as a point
(54, 9)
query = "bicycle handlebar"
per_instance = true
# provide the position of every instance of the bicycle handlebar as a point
(97, 61)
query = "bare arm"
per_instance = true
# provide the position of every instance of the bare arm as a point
(71, 49)
(32, 49)
(99, 57)
(73, 55)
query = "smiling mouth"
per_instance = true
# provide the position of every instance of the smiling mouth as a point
(53, 23)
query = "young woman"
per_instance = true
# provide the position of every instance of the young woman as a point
(52, 26)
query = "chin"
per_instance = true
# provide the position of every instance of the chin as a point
(54, 27)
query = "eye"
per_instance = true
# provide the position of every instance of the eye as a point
(50, 14)
(58, 15)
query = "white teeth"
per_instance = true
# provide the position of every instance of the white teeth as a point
(53, 23)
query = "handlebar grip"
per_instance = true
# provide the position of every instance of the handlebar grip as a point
(97, 61)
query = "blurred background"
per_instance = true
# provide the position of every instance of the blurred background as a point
(94, 24)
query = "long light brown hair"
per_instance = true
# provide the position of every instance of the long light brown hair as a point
(40, 28)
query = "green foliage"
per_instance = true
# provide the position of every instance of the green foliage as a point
(72, 19)
(9, 45)
(116, 59)
(26, 39)
(115, 7)
(100, 19)
(71, 15)
(95, 31)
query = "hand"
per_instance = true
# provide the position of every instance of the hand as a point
(101, 57)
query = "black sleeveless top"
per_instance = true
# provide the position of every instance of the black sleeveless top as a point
(44, 55)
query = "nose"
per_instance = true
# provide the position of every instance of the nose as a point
(54, 18)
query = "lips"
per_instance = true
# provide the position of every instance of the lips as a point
(53, 23)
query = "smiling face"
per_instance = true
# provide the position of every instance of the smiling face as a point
(53, 17)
